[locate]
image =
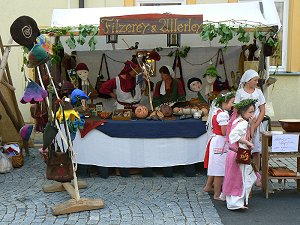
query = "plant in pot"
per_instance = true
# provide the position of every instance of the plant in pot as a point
(269, 40)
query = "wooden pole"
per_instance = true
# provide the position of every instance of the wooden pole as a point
(76, 189)
(4, 59)
(9, 84)
(9, 112)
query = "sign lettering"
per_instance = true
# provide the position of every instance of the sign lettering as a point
(151, 24)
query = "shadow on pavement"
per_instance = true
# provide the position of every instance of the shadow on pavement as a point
(281, 208)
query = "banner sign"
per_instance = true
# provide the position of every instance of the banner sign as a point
(151, 24)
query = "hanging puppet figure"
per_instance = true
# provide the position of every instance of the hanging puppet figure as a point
(194, 84)
(210, 75)
(83, 73)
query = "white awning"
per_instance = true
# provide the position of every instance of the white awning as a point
(249, 12)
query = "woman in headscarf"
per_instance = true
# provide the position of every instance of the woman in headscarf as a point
(124, 88)
(169, 89)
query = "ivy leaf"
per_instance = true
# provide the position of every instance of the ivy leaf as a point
(170, 53)
(92, 43)
(81, 40)
(71, 41)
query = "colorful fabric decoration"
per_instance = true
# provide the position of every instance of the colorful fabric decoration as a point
(37, 56)
(26, 131)
(44, 41)
(69, 115)
(34, 93)
(74, 126)
(76, 96)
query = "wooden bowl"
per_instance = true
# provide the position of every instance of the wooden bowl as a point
(290, 125)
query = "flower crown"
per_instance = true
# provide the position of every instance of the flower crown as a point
(224, 98)
(211, 71)
(245, 103)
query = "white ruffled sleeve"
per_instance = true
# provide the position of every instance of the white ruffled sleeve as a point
(238, 132)
(223, 118)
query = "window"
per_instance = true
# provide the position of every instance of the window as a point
(159, 2)
(281, 60)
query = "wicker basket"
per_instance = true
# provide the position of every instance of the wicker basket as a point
(17, 160)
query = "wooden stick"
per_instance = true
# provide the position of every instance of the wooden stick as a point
(4, 59)
(9, 112)
(10, 84)
(12, 88)
(77, 196)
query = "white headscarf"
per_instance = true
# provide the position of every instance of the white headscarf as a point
(162, 89)
(248, 75)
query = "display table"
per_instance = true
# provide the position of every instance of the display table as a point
(266, 155)
(98, 148)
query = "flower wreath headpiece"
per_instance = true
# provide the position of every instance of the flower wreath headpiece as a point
(245, 103)
(224, 98)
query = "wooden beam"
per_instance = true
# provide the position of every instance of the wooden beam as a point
(72, 206)
(9, 84)
(58, 187)
(9, 112)
(12, 88)
(4, 59)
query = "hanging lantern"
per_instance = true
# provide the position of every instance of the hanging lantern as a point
(112, 38)
(173, 40)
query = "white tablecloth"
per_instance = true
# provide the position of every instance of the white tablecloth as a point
(96, 148)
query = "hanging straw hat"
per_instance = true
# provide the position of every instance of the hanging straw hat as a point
(24, 31)
(37, 56)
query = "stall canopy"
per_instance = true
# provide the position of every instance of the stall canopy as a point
(252, 13)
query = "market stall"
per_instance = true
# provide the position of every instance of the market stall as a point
(150, 152)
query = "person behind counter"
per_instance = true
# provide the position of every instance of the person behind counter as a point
(124, 87)
(169, 89)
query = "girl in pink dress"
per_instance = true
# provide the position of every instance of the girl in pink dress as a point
(239, 178)
(215, 146)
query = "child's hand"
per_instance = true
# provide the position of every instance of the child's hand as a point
(250, 145)
(252, 120)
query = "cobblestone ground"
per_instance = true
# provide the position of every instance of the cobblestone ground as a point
(132, 200)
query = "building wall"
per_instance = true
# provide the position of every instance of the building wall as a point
(284, 97)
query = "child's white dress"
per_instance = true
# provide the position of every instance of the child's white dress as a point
(217, 152)
(239, 178)
(241, 94)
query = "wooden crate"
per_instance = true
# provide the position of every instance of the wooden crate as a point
(122, 114)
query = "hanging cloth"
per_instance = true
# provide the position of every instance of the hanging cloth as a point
(218, 84)
(177, 63)
(100, 77)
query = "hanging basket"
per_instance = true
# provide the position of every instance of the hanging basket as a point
(268, 50)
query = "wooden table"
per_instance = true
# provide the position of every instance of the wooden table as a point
(266, 155)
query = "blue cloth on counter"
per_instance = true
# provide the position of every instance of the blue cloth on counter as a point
(189, 128)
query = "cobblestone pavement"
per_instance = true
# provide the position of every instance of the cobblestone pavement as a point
(133, 200)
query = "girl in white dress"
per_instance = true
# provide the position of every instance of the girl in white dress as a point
(215, 146)
(239, 178)
(248, 89)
